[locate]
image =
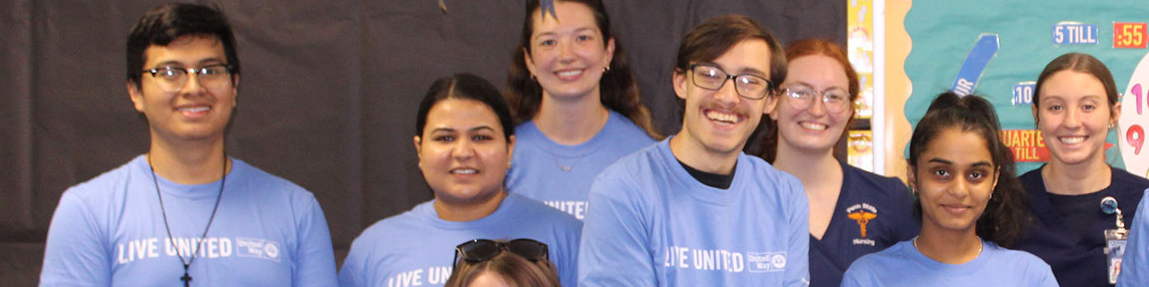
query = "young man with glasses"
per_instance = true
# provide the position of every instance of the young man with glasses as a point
(693, 210)
(185, 213)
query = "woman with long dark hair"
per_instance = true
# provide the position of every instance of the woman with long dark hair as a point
(970, 203)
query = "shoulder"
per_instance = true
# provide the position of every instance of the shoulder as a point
(767, 175)
(1017, 258)
(1127, 180)
(890, 186)
(527, 208)
(104, 187)
(385, 230)
(1032, 181)
(254, 178)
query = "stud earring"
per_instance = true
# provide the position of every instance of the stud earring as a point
(606, 69)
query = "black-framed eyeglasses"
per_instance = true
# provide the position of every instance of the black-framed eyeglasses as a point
(479, 250)
(711, 77)
(173, 79)
(802, 97)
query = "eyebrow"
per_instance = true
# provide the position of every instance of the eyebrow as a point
(202, 63)
(576, 31)
(478, 128)
(811, 86)
(744, 71)
(947, 162)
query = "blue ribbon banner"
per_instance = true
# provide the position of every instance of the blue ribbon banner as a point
(975, 63)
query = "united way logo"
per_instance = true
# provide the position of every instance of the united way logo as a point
(766, 262)
(862, 213)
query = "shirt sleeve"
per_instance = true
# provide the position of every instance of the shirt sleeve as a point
(614, 251)
(857, 277)
(315, 264)
(75, 253)
(798, 270)
(1135, 262)
(353, 266)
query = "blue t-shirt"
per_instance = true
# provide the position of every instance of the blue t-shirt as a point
(109, 231)
(903, 265)
(1072, 239)
(1135, 263)
(873, 212)
(415, 248)
(537, 169)
(654, 225)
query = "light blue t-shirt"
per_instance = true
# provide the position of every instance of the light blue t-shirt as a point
(539, 168)
(109, 231)
(1135, 262)
(655, 225)
(415, 248)
(903, 265)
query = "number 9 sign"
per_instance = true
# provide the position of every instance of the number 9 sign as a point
(1135, 114)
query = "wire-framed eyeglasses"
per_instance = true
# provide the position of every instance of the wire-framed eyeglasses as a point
(802, 97)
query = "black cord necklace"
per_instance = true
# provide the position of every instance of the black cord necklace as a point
(186, 278)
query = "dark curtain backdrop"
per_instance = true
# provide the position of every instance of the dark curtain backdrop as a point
(327, 96)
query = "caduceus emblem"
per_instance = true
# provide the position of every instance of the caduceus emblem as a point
(863, 218)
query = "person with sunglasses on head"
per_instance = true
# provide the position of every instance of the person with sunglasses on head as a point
(578, 104)
(970, 204)
(694, 210)
(185, 213)
(515, 263)
(464, 142)
(1075, 106)
(852, 212)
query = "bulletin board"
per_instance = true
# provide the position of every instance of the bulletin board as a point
(997, 49)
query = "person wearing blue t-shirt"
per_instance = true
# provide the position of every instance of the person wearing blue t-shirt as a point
(464, 149)
(970, 203)
(852, 212)
(693, 210)
(1135, 263)
(1075, 105)
(572, 89)
(185, 213)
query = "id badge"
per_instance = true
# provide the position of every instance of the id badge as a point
(1115, 240)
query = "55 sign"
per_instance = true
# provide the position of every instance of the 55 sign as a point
(1135, 114)
(1129, 35)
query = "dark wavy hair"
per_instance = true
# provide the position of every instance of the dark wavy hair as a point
(768, 129)
(166, 23)
(1006, 216)
(618, 89)
(467, 87)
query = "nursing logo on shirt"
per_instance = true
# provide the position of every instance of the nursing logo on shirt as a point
(862, 214)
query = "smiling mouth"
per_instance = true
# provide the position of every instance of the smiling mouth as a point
(569, 74)
(813, 126)
(723, 118)
(1073, 139)
(464, 171)
(955, 208)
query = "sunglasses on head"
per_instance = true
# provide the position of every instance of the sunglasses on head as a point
(479, 250)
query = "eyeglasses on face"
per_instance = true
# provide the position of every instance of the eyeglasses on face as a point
(711, 77)
(801, 97)
(173, 79)
(479, 250)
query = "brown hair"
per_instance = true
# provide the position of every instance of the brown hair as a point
(1083, 63)
(802, 48)
(717, 35)
(512, 268)
(618, 88)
